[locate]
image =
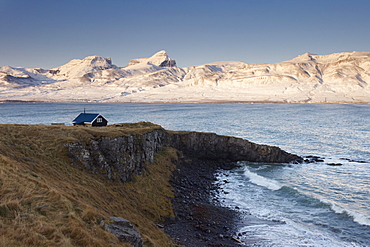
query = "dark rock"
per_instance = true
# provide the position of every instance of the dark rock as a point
(124, 231)
(169, 220)
(351, 160)
(312, 159)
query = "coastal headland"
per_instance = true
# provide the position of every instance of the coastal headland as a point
(67, 186)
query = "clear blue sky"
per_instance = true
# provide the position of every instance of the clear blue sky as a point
(49, 33)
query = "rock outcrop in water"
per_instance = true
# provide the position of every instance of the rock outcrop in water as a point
(120, 157)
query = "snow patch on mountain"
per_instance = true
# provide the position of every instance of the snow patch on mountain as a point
(77, 68)
(159, 59)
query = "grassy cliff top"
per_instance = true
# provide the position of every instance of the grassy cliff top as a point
(45, 201)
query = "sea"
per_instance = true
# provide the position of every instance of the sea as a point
(324, 203)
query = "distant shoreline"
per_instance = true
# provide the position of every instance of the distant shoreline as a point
(186, 102)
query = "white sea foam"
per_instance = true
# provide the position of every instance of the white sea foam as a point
(357, 217)
(300, 210)
(290, 235)
(262, 181)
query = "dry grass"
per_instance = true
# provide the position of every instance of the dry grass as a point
(45, 201)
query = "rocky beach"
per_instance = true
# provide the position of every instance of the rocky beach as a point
(199, 220)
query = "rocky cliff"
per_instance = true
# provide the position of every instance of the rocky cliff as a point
(120, 157)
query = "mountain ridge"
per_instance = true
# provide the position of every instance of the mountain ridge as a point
(308, 78)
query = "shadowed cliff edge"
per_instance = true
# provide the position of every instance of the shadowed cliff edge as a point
(159, 180)
(122, 156)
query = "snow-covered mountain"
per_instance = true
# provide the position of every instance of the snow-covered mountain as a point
(339, 77)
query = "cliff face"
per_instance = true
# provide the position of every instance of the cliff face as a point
(117, 157)
(215, 147)
(120, 157)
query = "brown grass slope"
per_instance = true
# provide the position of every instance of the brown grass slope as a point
(45, 201)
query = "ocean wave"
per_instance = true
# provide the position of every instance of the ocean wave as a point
(307, 219)
(272, 184)
(262, 181)
(357, 217)
(291, 234)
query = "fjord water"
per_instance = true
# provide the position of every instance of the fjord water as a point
(314, 204)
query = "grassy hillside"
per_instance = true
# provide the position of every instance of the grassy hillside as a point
(45, 201)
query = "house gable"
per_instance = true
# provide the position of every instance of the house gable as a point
(94, 119)
(99, 121)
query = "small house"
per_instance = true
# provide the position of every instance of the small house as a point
(95, 119)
